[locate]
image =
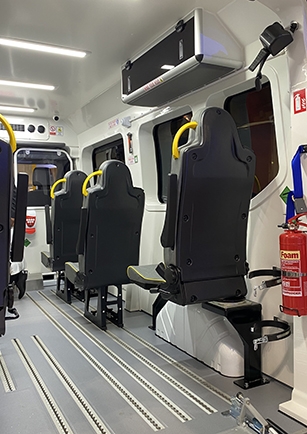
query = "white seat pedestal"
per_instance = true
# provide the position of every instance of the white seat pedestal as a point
(204, 335)
(297, 406)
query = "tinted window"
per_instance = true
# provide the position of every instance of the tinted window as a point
(110, 151)
(164, 134)
(253, 115)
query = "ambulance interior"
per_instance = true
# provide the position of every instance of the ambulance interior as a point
(160, 220)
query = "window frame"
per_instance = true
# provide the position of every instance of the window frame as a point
(106, 147)
(162, 183)
(39, 149)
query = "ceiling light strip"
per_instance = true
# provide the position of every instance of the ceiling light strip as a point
(5, 108)
(16, 43)
(27, 85)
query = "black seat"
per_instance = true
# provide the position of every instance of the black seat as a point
(109, 240)
(10, 250)
(41, 179)
(204, 235)
(62, 227)
(5, 211)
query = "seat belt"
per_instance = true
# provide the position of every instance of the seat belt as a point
(295, 200)
(295, 205)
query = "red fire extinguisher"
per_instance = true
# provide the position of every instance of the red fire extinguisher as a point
(293, 264)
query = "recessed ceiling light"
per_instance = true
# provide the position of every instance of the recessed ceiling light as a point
(168, 67)
(27, 85)
(6, 108)
(28, 45)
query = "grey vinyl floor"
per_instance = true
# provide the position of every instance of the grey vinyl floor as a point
(60, 373)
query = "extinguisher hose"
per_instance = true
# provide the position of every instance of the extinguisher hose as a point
(295, 219)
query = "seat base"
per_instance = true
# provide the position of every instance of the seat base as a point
(245, 317)
(242, 315)
(100, 315)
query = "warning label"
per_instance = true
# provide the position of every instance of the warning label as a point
(56, 130)
(299, 101)
(290, 262)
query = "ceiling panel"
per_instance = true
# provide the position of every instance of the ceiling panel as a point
(112, 30)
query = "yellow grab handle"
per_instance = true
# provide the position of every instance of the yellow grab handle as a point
(59, 181)
(84, 190)
(175, 150)
(10, 131)
(258, 183)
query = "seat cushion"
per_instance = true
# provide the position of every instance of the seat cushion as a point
(46, 260)
(145, 276)
(71, 271)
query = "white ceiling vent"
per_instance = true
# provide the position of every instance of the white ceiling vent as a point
(26, 129)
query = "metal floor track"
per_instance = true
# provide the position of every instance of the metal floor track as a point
(60, 373)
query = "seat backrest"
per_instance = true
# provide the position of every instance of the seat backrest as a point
(65, 219)
(6, 179)
(41, 179)
(204, 235)
(113, 217)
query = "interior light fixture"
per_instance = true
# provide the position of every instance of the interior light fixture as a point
(7, 108)
(27, 85)
(28, 45)
(167, 67)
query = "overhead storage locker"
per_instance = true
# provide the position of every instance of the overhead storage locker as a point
(197, 51)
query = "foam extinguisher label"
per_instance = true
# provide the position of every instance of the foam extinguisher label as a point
(291, 263)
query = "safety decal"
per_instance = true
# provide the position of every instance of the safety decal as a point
(113, 123)
(31, 222)
(299, 101)
(56, 130)
(153, 84)
(284, 194)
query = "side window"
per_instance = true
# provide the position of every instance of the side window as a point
(253, 114)
(164, 134)
(110, 151)
(44, 167)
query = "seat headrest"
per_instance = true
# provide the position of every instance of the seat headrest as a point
(74, 180)
(41, 177)
(115, 174)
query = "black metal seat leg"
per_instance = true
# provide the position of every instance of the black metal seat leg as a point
(98, 317)
(243, 316)
(252, 356)
(2, 320)
(157, 306)
(116, 317)
(103, 312)
(65, 293)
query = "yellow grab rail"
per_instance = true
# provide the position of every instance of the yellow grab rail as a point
(84, 190)
(10, 131)
(175, 150)
(59, 181)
